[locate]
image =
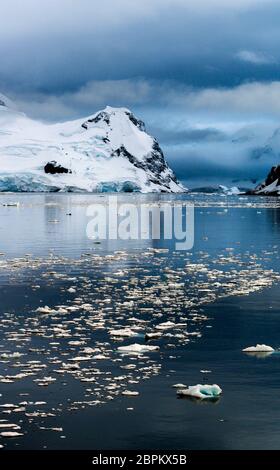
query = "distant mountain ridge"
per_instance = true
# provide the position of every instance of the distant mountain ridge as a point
(271, 185)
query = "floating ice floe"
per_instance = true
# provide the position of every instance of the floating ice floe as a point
(124, 332)
(80, 358)
(201, 391)
(166, 325)
(14, 355)
(153, 335)
(179, 386)
(11, 434)
(8, 405)
(130, 393)
(170, 325)
(9, 426)
(99, 357)
(89, 350)
(258, 348)
(45, 309)
(137, 348)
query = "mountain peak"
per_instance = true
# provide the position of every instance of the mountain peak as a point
(114, 110)
(108, 151)
(110, 114)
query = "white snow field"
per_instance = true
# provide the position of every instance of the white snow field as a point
(107, 152)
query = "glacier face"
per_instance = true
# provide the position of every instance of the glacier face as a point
(107, 152)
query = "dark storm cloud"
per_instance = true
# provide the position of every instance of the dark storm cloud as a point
(203, 165)
(196, 71)
(174, 136)
(53, 46)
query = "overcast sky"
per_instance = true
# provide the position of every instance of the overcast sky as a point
(199, 72)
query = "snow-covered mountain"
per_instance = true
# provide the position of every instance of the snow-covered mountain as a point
(109, 151)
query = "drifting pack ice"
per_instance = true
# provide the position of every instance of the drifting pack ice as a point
(107, 152)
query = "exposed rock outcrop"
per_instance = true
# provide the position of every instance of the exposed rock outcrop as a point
(271, 186)
(54, 168)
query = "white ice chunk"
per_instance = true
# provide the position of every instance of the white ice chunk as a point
(11, 434)
(153, 335)
(166, 325)
(179, 386)
(201, 391)
(125, 332)
(137, 348)
(258, 348)
(130, 393)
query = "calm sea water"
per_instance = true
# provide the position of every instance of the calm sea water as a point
(222, 295)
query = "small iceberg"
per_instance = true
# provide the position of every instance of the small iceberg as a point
(137, 348)
(259, 348)
(201, 391)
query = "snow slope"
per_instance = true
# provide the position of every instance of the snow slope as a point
(109, 151)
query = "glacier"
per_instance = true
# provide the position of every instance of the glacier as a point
(107, 152)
